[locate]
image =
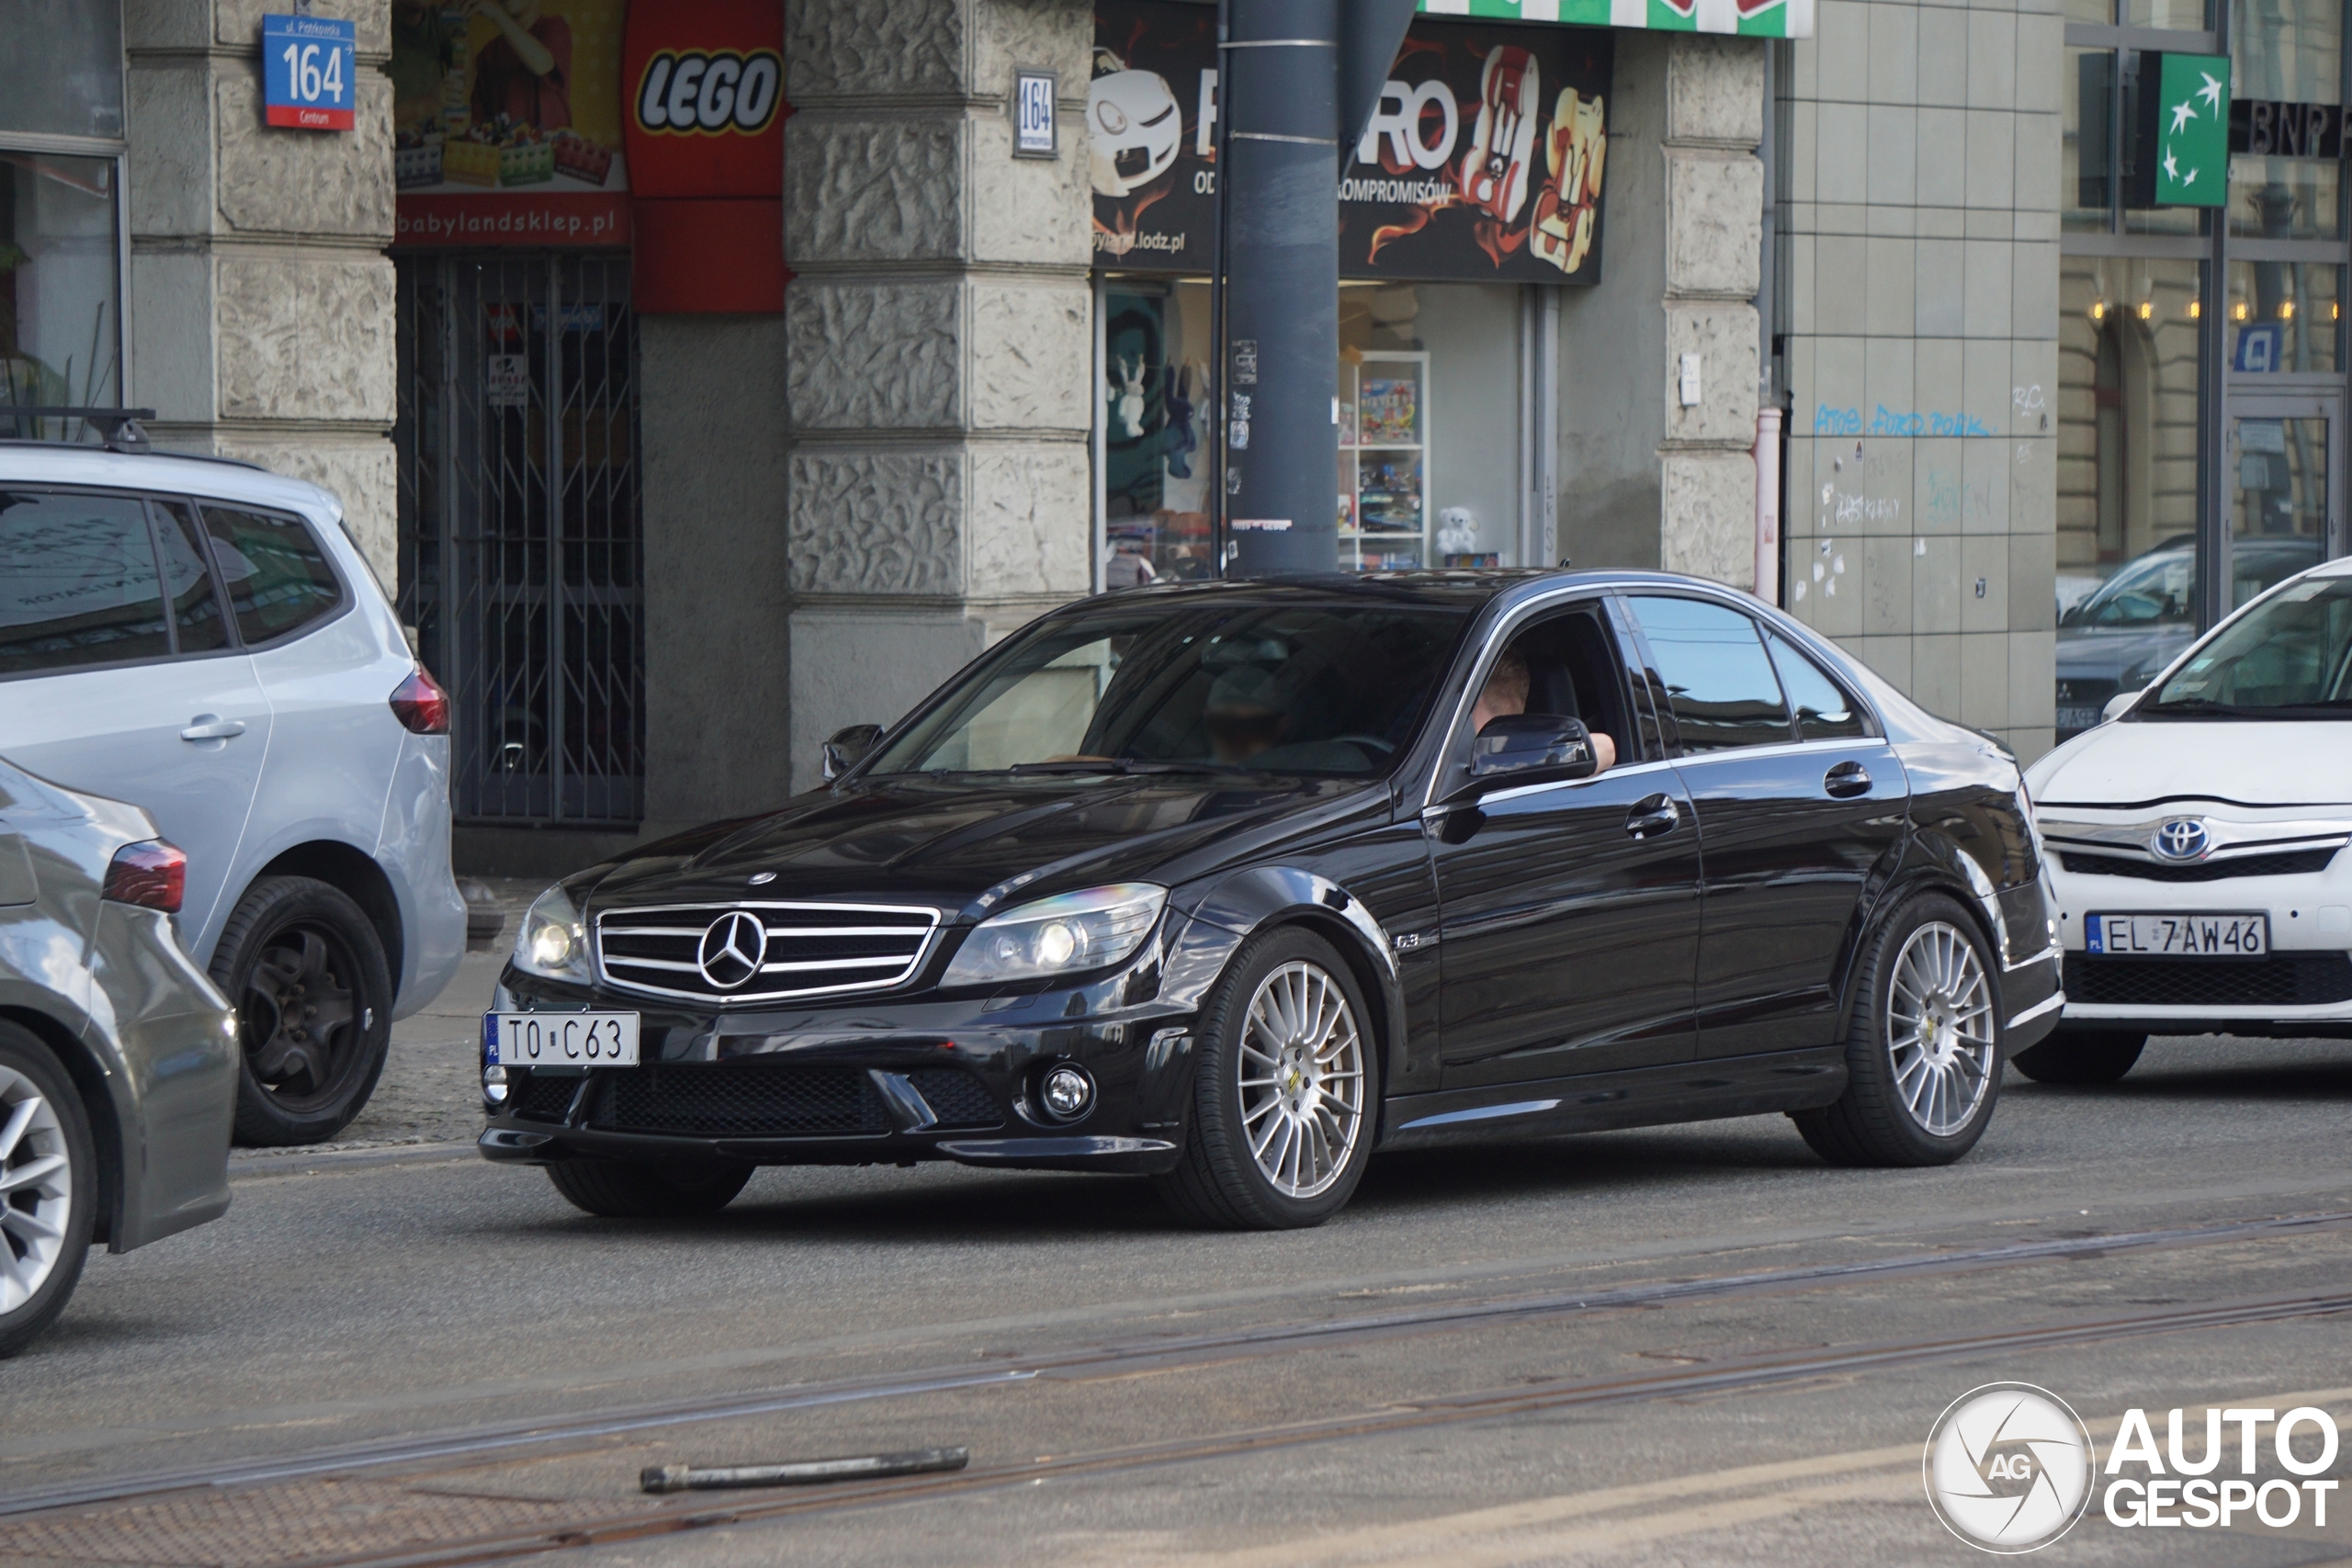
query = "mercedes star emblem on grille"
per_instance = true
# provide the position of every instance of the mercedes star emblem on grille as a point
(2183, 838)
(732, 949)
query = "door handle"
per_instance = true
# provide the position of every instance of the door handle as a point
(1651, 815)
(212, 726)
(1846, 780)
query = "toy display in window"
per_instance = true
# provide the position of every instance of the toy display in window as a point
(1387, 413)
(1391, 496)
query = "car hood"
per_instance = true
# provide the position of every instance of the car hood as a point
(967, 846)
(2137, 763)
(2105, 654)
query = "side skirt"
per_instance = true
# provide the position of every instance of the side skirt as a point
(1639, 1097)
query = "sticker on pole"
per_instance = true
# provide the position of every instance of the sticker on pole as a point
(308, 65)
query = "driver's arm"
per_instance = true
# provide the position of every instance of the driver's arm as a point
(1604, 751)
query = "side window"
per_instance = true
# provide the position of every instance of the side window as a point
(188, 582)
(78, 584)
(1719, 681)
(279, 578)
(1824, 710)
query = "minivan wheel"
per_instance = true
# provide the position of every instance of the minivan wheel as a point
(1923, 1058)
(626, 1189)
(1284, 1092)
(2081, 1055)
(47, 1188)
(305, 970)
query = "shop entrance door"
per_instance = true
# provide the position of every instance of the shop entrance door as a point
(520, 547)
(2285, 452)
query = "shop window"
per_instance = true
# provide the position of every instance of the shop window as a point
(1157, 408)
(1430, 428)
(2125, 413)
(2285, 318)
(60, 315)
(61, 68)
(2290, 52)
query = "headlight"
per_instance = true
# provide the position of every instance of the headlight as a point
(1059, 936)
(553, 942)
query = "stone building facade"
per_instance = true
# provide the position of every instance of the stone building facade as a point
(833, 507)
(260, 298)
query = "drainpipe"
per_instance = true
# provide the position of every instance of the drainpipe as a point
(1767, 503)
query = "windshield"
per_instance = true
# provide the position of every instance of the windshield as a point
(2151, 591)
(1155, 687)
(2287, 659)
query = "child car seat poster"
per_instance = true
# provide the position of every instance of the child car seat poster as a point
(1482, 161)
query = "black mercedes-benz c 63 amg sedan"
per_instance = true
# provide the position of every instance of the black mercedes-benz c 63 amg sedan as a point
(1231, 885)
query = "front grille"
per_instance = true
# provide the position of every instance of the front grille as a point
(2287, 863)
(2283, 979)
(957, 1097)
(738, 1101)
(546, 1097)
(811, 950)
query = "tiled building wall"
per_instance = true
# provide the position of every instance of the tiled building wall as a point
(1919, 177)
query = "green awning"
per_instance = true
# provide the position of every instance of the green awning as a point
(1754, 18)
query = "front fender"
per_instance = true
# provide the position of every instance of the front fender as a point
(1220, 917)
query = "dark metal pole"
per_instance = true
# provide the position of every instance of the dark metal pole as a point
(1220, 536)
(1279, 95)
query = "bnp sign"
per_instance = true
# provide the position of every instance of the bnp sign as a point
(2181, 145)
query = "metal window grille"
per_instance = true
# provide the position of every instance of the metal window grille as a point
(521, 546)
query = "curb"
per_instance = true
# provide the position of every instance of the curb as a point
(314, 1161)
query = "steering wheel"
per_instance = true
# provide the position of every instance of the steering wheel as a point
(1386, 747)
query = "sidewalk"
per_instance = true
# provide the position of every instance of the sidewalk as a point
(431, 1092)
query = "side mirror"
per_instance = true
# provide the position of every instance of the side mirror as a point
(2118, 702)
(1529, 746)
(845, 749)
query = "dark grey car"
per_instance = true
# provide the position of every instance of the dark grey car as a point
(117, 1056)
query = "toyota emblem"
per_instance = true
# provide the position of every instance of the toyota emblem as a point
(2183, 838)
(732, 949)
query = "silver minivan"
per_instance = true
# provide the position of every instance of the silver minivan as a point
(203, 638)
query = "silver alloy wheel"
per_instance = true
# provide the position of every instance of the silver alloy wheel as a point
(36, 1190)
(1301, 1070)
(1940, 1028)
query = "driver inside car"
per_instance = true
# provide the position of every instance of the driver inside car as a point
(1505, 693)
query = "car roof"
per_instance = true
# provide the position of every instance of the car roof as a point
(1461, 589)
(218, 478)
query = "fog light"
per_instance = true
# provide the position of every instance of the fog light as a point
(1066, 1092)
(493, 1084)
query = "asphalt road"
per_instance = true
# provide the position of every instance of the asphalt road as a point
(1686, 1345)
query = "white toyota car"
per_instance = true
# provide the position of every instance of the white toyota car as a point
(203, 638)
(2195, 841)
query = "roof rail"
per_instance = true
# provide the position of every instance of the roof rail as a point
(119, 428)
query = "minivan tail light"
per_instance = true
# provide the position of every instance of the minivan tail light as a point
(152, 874)
(421, 705)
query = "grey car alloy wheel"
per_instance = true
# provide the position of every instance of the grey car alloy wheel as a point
(1940, 1028)
(36, 1190)
(1301, 1069)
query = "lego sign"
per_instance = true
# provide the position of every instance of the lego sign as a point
(703, 130)
(309, 71)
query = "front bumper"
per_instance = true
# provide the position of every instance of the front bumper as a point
(865, 1082)
(2303, 987)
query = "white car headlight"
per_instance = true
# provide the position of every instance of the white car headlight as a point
(1061, 935)
(553, 942)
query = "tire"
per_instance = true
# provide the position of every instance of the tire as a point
(1907, 1103)
(624, 1190)
(1236, 1175)
(2081, 1055)
(305, 970)
(47, 1210)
